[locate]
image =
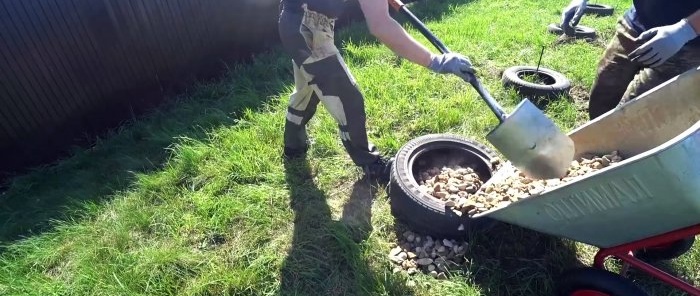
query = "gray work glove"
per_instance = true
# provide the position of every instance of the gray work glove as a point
(661, 43)
(452, 63)
(571, 15)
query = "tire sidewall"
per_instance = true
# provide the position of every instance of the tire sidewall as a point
(424, 213)
(590, 278)
(599, 9)
(581, 31)
(676, 249)
(560, 86)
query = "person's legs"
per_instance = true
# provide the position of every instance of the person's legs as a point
(322, 75)
(298, 42)
(687, 58)
(335, 87)
(302, 107)
(615, 71)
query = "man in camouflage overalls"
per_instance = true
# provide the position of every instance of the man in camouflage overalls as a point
(307, 33)
(655, 41)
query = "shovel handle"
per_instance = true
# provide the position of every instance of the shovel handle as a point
(495, 108)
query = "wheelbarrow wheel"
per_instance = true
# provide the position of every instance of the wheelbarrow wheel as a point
(669, 251)
(421, 212)
(590, 281)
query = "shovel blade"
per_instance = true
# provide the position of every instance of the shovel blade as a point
(533, 143)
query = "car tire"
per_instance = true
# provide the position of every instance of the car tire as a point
(669, 251)
(581, 31)
(594, 281)
(599, 9)
(425, 214)
(554, 84)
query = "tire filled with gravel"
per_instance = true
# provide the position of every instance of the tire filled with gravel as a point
(426, 156)
(463, 191)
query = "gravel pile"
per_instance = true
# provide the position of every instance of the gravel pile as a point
(461, 189)
(450, 184)
(415, 253)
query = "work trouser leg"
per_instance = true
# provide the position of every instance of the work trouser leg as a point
(615, 71)
(688, 57)
(302, 107)
(323, 76)
(335, 87)
(620, 80)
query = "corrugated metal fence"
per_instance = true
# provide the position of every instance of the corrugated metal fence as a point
(66, 66)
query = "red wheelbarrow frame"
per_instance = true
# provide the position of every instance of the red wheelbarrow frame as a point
(625, 253)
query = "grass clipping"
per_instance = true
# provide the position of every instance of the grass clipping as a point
(462, 190)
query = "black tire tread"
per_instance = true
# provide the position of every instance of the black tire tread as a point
(561, 86)
(591, 278)
(581, 31)
(424, 215)
(599, 9)
(677, 249)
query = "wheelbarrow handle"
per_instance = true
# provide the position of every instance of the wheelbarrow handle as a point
(495, 107)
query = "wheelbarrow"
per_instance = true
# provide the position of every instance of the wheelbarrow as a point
(649, 201)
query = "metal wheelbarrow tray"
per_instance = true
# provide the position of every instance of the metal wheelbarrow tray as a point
(654, 190)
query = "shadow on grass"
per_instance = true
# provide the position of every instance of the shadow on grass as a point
(30, 203)
(326, 256)
(654, 286)
(509, 260)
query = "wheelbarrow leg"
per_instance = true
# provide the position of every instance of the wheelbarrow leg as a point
(625, 253)
(624, 271)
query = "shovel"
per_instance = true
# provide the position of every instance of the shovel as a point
(527, 137)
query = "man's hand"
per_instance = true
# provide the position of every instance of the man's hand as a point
(452, 63)
(571, 15)
(661, 43)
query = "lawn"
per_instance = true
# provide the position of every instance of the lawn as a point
(194, 199)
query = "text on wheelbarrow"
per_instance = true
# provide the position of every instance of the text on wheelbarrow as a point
(604, 197)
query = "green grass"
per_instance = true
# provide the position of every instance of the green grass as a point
(195, 199)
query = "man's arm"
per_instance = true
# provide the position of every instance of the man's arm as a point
(390, 32)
